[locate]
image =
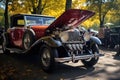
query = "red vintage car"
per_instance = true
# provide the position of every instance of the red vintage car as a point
(53, 40)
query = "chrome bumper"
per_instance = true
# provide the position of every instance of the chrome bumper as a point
(73, 58)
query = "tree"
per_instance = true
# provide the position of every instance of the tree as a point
(102, 7)
(37, 6)
(28, 6)
(18, 6)
(6, 15)
(6, 24)
(114, 15)
(68, 4)
(54, 8)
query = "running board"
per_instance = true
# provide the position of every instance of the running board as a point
(16, 50)
(74, 58)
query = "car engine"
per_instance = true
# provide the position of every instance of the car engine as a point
(72, 40)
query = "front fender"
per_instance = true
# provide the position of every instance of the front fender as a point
(50, 41)
(95, 40)
(6, 39)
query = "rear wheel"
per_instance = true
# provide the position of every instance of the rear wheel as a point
(28, 39)
(92, 61)
(47, 61)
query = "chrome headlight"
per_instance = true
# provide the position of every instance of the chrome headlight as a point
(86, 36)
(64, 36)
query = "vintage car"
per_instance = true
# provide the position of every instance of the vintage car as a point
(53, 40)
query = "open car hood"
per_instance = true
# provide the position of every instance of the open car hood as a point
(70, 18)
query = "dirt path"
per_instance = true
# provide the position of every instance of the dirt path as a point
(22, 67)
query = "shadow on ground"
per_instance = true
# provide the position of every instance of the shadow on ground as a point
(26, 67)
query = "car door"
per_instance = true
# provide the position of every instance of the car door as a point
(17, 35)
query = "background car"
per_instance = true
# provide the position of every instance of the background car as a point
(114, 36)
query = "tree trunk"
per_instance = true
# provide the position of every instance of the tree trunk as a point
(34, 10)
(6, 16)
(101, 23)
(100, 13)
(68, 4)
(39, 7)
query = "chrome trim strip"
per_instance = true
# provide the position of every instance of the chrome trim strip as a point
(73, 42)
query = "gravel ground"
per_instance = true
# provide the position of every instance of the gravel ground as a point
(23, 67)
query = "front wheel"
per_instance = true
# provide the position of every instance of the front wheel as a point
(47, 61)
(92, 61)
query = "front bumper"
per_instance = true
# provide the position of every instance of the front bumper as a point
(74, 58)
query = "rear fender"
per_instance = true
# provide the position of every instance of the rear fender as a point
(5, 37)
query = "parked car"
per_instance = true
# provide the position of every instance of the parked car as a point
(115, 39)
(53, 40)
(114, 36)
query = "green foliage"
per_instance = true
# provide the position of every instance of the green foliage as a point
(1, 17)
(114, 14)
(46, 7)
(103, 8)
(105, 11)
(54, 8)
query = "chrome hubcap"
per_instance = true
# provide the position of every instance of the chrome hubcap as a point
(27, 41)
(46, 58)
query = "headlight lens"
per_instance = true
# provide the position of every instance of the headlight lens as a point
(86, 36)
(64, 36)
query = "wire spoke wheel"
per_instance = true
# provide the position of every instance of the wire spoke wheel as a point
(27, 41)
(46, 57)
(92, 61)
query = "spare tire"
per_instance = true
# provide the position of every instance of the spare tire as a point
(28, 39)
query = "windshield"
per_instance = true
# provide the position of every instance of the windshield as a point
(39, 20)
